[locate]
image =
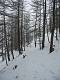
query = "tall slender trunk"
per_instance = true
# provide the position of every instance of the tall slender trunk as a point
(12, 42)
(22, 28)
(2, 46)
(44, 20)
(6, 41)
(35, 31)
(59, 16)
(40, 28)
(18, 31)
(56, 26)
(53, 27)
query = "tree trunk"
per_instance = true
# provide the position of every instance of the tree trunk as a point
(53, 27)
(35, 31)
(6, 41)
(12, 42)
(59, 17)
(2, 46)
(44, 20)
(22, 28)
(18, 31)
(40, 28)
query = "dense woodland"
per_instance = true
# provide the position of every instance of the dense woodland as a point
(18, 27)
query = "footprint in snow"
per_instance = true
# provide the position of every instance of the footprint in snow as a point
(16, 77)
(15, 67)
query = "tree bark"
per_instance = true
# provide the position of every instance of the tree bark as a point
(53, 28)
(44, 20)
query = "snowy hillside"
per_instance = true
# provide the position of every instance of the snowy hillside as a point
(29, 39)
(36, 65)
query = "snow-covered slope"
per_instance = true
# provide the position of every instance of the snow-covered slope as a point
(37, 65)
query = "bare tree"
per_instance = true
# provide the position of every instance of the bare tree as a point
(53, 28)
(44, 22)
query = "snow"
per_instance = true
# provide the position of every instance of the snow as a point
(37, 65)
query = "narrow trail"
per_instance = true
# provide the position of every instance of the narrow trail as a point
(37, 65)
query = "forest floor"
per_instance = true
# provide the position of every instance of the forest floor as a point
(36, 65)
